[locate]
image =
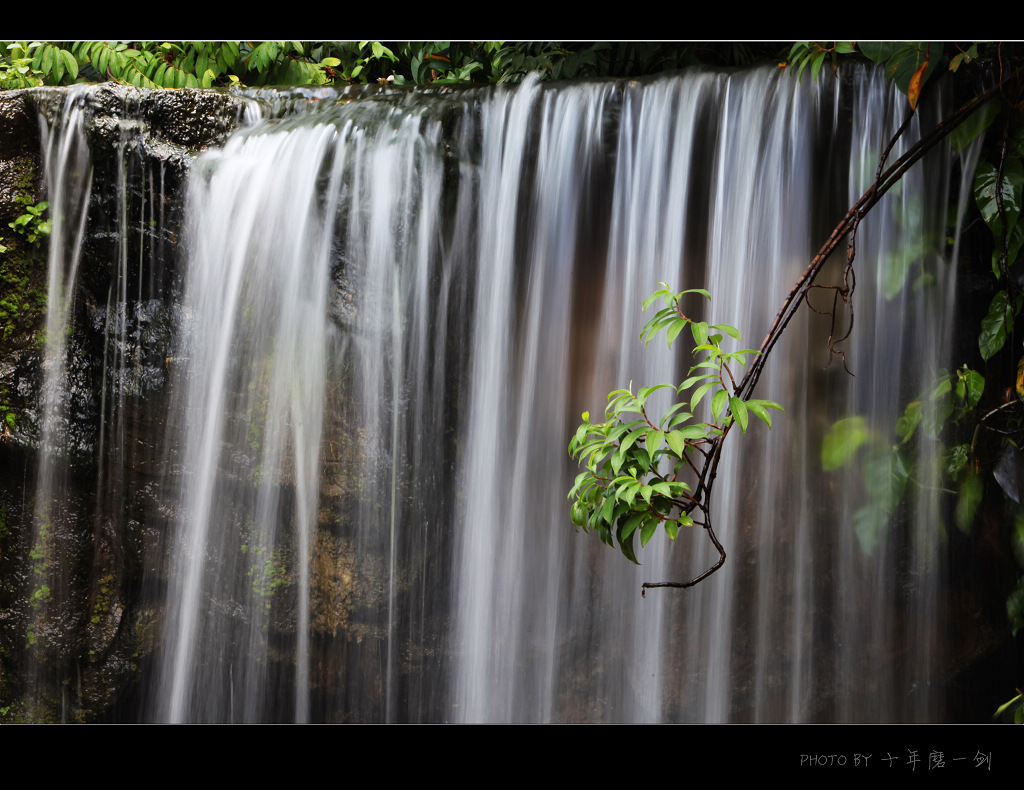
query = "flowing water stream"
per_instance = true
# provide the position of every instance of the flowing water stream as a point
(395, 310)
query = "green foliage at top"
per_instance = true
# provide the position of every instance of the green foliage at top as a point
(910, 64)
(643, 472)
(205, 64)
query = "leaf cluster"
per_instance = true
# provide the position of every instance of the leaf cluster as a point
(31, 224)
(17, 70)
(642, 472)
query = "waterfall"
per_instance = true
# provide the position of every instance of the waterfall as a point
(68, 173)
(395, 310)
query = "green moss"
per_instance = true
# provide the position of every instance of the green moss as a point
(22, 262)
(101, 605)
(268, 573)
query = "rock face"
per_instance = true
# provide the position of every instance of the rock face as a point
(86, 548)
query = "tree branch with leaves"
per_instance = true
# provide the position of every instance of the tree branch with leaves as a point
(641, 474)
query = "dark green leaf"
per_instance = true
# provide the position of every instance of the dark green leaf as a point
(879, 51)
(996, 325)
(971, 492)
(975, 124)
(957, 460)
(626, 546)
(647, 531)
(987, 187)
(631, 524)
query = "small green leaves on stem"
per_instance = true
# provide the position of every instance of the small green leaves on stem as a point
(641, 472)
(31, 224)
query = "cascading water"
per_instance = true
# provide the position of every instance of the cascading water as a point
(68, 177)
(100, 370)
(395, 311)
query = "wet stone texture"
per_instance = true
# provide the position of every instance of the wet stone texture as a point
(75, 625)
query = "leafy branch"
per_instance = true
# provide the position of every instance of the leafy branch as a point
(637, 470)
(631, 481)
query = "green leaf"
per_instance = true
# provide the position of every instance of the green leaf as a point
(963, 57)
(677, 441)
(816, 60)
(631, 524)
(739, 411)
(907, 424)
(842, 442)
(607, 509)
(973, 386)
(626, 546)
(718, 403)
(957, 460)
(674, 329)
(971, 492)
(731, 331)
(987, 187)
(759, 408)
(976, 123)
(647, 531)
(700, 332)
(699, 394)
(868, 523)
(693, 432)
(679, 417)
(879, 51)
(1013, 246)
(694, 379)
(1007, 705)
(996, 325)
(907, 62)
(885, 476)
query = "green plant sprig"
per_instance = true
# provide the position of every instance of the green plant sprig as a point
(637, 469)
(31, 224)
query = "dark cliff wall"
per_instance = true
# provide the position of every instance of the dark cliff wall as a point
(75, 622)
